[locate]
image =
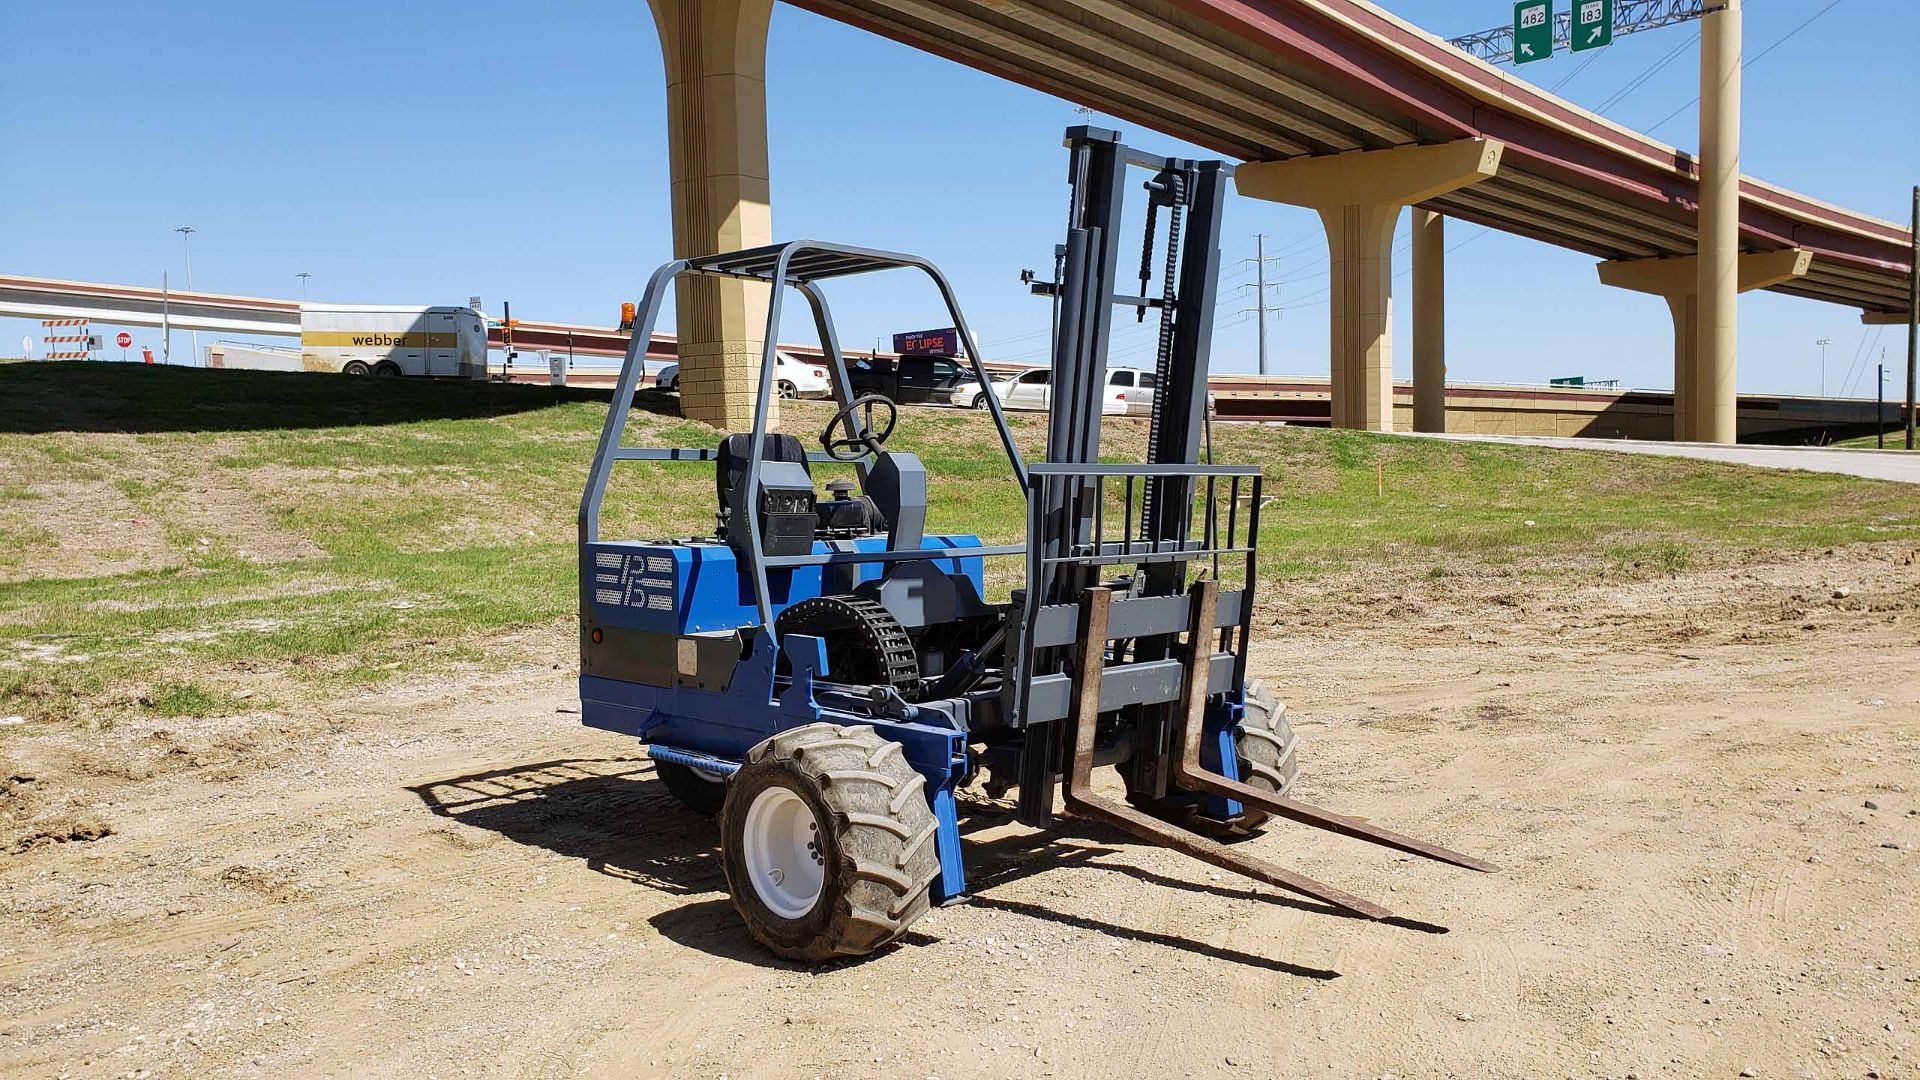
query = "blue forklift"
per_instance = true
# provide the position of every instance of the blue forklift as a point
(826, 676)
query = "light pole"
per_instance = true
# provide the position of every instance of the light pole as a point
(1823, 343)
(185, 232)
(303, 276)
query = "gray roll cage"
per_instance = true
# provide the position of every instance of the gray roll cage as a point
(801, 264)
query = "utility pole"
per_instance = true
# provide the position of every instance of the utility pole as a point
(1260, 309)
(303, 276)
(1823, 343)
(185, 232)
(1260, 287)
(1913, 317)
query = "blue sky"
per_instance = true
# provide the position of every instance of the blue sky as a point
(429, 151)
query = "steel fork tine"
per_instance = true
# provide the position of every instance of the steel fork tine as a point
(1189, 774)
(1081, 800)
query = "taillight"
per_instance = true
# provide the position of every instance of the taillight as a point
(819, 372)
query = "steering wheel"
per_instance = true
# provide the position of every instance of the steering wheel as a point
(864, 440)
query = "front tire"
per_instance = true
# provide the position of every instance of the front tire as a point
(828, 842)
(980, 402)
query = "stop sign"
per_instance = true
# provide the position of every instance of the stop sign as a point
(124, 339)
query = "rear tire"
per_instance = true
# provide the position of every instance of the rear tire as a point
(356, 367)
(696, 791)
(828, 842)
(1269, 759)
(788, 390)
(386, 369)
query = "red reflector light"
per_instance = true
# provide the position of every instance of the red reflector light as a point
(598, 635)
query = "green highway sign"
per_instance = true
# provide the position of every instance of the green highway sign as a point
(1592, 24)
(1532, 31)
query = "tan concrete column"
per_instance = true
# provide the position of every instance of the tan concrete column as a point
(1677, 281)
(1359, 196)
(715, 53)
(1429, 321)
(1714, 402)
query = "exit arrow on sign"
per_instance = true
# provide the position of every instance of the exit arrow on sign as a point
(1532, 31)
(1592, 24)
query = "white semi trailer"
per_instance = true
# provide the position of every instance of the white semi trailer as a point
(375, 339)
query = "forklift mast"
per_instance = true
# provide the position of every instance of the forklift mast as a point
(1194, 195)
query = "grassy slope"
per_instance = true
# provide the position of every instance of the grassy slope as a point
(170, 537)
(1895, 440)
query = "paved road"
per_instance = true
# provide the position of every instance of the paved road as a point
(1895, 465)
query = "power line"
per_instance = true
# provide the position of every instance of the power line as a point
(1575, 73)
(1866, 358)
(1644, 77)
(1310, 300)
(1761, 55)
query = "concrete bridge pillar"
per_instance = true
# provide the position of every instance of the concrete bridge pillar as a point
(1703, 393)
(1698, 379)
(1717, 314)
(715, 53)
(1429, 321)
(1359, 197)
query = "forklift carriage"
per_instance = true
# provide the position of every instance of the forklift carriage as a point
(825, 676)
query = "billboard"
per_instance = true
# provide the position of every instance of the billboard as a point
(928, 343)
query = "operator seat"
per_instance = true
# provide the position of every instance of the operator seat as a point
(786, 510)
(791, 515)
(731, 469)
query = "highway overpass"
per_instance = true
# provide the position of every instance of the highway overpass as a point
(1336, 105)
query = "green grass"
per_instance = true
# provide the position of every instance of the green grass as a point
(170, 698)
(325, 533)
(1895, 440)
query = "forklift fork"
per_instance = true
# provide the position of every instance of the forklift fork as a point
(1189, 733)
(1082, 801)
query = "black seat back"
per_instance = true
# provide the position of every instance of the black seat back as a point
(731, 470)
(790, 496)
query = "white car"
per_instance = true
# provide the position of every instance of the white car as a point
(1128, 392)
(792, 378)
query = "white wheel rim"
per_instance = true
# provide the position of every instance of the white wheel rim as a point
(781, 848)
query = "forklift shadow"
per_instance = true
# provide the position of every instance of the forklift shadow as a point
(616, 816)
(612, 813)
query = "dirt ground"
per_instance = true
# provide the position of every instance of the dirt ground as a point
(1703, 788)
